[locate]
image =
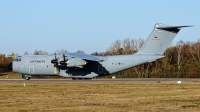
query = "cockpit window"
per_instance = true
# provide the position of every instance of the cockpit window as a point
(18, 59)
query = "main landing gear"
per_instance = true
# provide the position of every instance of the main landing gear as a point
(27, 77)
(81, 78)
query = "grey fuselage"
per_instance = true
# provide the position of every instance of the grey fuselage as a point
(41, 65)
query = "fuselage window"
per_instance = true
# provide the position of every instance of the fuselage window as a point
(19, 59)
(16, 59)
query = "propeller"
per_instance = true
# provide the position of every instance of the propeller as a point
(64, 60)
(55, 62)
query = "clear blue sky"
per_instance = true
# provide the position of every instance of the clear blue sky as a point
(89, 25)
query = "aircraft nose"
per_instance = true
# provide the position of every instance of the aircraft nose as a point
(10, 66)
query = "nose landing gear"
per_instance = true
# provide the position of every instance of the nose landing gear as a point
(27, 77)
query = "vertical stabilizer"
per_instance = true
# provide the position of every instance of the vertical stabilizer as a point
(159, 39)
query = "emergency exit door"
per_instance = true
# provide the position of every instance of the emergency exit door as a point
(31, 70)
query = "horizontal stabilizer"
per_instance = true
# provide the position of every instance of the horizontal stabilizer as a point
(173, 29)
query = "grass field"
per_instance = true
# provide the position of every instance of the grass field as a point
(99, 97)
(10, 75)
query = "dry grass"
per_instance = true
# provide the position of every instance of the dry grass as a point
(100, 97)
(10, 75)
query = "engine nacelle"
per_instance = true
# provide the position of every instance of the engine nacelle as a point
(62, 62)
(76, 62)
(54, 61)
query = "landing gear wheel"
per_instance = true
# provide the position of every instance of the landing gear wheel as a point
(73, 78)
(81, 78)
(27, 78)
(87, 78)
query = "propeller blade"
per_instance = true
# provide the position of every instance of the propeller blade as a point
(64, 60)
(55, 61)
(64, 57)
(55, 56)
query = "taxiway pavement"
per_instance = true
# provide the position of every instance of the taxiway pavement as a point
(107, 80)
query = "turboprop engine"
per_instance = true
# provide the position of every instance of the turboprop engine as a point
(76, 62)
(68, 62)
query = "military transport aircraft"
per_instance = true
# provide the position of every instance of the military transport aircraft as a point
(83, 66)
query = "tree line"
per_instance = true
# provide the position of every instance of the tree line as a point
(4, 61)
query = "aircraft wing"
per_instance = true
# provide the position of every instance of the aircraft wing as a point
(84, 56)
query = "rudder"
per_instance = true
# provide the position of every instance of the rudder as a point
(159, 39)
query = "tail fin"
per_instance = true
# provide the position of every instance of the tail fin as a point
(159, 39)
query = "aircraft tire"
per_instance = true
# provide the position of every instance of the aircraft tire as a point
(73, 78)
(27, 78)
(81, 78)
(87, 78)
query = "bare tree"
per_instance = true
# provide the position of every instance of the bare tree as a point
(138, 44)
(126, 43)
(3, 62)
(80, 51)
(39, 52)
(179, 48)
